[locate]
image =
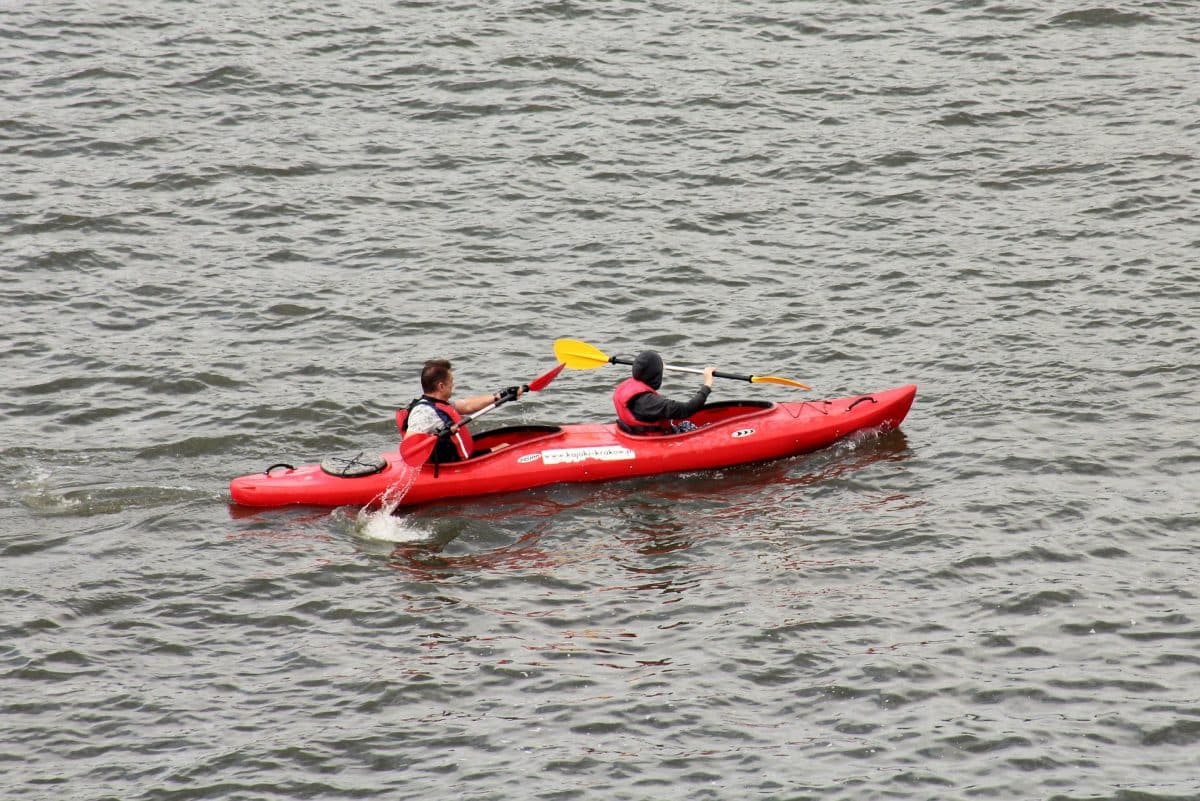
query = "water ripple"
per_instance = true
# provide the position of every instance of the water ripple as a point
(232, 235)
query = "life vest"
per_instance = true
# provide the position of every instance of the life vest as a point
(626, 391)
(460, 445)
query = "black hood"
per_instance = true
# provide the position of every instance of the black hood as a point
(648, 367)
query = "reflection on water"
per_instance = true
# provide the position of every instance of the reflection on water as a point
(426, 562)
(652, 527)
(651, 517)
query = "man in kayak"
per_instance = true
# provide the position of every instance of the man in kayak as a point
(433, 410)
(641, 410)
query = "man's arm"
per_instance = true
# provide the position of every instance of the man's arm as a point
(477, 402)
(650, 407)
(474, 403)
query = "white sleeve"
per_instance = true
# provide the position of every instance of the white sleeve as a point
(423, 420)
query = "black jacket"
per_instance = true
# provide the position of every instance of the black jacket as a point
(649, 407)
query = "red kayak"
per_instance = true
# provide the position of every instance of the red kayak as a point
(522, 457)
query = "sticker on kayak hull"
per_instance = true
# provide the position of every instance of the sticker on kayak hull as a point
(605, 453)
(744, 432)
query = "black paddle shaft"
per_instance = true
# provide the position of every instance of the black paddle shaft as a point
(717, 373)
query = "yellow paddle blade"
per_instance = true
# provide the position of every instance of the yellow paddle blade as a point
(774, 379)
(582, 356)
(579, 355)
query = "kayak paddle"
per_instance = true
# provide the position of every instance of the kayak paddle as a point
(415, 449)
(582, 356)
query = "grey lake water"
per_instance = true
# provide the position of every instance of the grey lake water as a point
(230, 234)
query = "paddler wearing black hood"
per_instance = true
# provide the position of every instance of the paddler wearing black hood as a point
(641, 410)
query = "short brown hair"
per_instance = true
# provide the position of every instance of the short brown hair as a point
(433, 373)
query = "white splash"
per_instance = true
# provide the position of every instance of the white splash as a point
(381, 524)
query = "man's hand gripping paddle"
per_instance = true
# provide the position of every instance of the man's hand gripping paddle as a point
(416, 449)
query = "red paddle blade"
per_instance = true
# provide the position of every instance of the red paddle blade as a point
(416, 449)
(541, 382)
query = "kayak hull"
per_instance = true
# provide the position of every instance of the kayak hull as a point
(523, 457)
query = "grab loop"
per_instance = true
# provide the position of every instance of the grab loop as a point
(860, 400)
(281, 464)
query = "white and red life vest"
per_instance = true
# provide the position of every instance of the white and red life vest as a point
(463, 442)
(626, 391)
